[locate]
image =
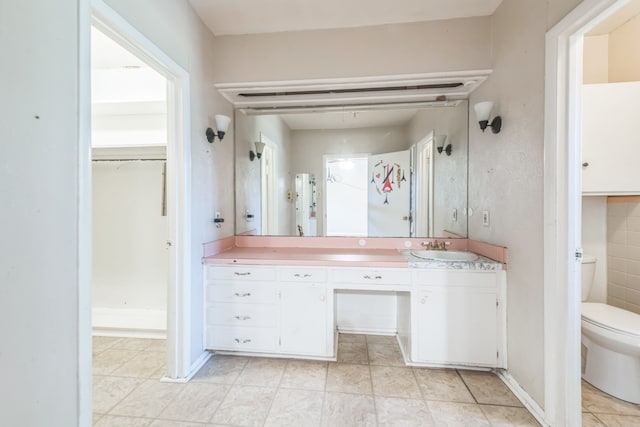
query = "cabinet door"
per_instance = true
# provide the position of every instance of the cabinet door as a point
(304, 320)
(457, 326)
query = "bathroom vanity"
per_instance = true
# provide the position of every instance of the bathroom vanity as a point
(283, 302)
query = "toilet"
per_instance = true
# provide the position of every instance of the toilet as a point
(611, 336)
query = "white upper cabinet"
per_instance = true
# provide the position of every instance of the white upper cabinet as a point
(611, 139)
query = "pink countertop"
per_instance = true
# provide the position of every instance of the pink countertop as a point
(309, 256)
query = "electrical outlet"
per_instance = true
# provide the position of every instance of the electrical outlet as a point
(485, 218)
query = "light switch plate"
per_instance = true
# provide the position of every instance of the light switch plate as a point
(485, 218)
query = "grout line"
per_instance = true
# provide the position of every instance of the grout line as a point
(467, 386)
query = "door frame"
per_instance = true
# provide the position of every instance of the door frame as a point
(563, 210)
(178, 182)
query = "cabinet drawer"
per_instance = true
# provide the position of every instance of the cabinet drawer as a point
(242, 338)
(456, 278)
(302, 275)
(245, 293)
(240, 273)
(371, 276)
(226, 314)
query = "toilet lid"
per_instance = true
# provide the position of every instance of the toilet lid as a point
(611, 317)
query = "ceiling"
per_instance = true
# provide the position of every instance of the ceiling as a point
(233, 17)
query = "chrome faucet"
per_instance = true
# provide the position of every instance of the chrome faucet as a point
(435, 245)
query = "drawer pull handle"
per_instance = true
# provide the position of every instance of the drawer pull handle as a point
(366, 276)
(246, 294)
(248, 273)
(239, 341)
(302, 275)
(243, 317)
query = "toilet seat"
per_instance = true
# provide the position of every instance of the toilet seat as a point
(612, 318)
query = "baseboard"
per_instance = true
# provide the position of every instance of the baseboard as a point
(366, 331)
(133, 323)
(195, 367)
(524, 397)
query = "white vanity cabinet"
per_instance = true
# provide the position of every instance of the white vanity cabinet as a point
(271, 310)
(459, 318)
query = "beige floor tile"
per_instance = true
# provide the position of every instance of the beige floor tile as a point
(295, 408)
(453, 414)
(352, 338)
(170, 423)
(382, 339)
(304, 374)
(145, 364)
(442, 384)
(116, 421)
(348, 410)
(157, 345)
(611, 420)
(508, 416)
(349, 378)
(598, 402)
(221, 369)
(385, 355)
(96, 417)
(245, 406)
(135, 344)
(148, 400)
(197, 402)
(394, 382)
(108, 391)
(106, 362)
(590, 420)
(102, 343)
(488, 389)
(262, 372)
(353, 353)
(394, 412)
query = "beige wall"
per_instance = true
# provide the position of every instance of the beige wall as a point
(613, 57)
(624, 52)
(596, 59)
(506, 174)
(458, 44)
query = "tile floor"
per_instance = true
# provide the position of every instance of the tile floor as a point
(599, 409)
(368, 386)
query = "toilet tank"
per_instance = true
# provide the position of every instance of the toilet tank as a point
(588, 273)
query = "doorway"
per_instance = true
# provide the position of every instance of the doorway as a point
(179, 358)
(346, 195)
(563, 209)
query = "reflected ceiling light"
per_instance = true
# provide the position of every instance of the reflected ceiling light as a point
(483, 111)
(222, 123)
(259, 150)
(440, 141)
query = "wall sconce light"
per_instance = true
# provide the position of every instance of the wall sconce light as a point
(483, 111)
(440, 141)
(222, 123)
(259, 150)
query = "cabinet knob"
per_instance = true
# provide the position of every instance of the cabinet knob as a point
(585, 164)
(366, 276)
(248, 273)
(243, 317)
(305, 275)
(239, 341)
(246, 294)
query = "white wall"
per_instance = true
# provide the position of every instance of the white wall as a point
(130, 258)
(506, 174)
(175, 28)
(44, 295)
(450, 172)
(594, 242)
(248, 173)
(596, 59)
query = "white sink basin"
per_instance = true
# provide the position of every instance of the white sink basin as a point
(446, 255)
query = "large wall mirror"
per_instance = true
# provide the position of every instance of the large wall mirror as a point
(376, 171)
